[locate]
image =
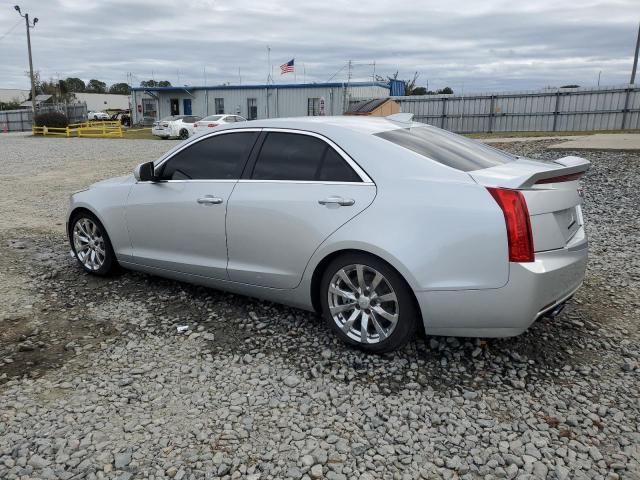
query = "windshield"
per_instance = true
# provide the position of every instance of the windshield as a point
(447, 148)
(212, 118)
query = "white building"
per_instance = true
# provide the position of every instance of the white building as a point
(10, 95)
(250, 101)
(99, 102)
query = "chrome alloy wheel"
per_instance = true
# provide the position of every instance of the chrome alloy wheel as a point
(363, 303)
(89, 243)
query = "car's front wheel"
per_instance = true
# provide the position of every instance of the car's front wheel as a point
(91, 245)
(184, 134)
(367, 303)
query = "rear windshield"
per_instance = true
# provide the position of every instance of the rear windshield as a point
(447, 148)
(170, 118)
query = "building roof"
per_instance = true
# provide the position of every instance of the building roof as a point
(39, 99)
(366, 106)
(13, 94)
(270, 86)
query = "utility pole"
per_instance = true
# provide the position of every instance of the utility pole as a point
(635, 59)
(30, 26)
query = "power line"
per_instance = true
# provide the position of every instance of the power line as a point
(11, 29)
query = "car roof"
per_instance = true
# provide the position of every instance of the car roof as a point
(327, 125)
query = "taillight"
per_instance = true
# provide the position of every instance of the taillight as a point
(211, 125)
(561, 178)
(516, 216)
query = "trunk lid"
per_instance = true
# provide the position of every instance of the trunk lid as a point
(551, 193)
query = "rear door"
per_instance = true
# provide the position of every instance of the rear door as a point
(298, 190)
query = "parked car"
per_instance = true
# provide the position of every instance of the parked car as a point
(174, 126)
(382, 224)
(98, 116)
(213, 121)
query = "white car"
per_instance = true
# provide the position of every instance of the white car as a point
(98, 116)
(174, 126)
(384, 225)
(213, 121)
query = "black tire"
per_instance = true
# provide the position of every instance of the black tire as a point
(407, 313)
(184, 134)
(110, 264)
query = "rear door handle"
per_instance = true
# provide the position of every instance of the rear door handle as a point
(333, 200)
(209, 200)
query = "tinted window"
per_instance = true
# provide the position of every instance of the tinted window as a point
(447, 148)
(212, 118)
(287, 156)
(216, 158)
(335, 169)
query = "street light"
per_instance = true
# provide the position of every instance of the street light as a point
(29, 26)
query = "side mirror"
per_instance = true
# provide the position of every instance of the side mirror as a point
(145, 172)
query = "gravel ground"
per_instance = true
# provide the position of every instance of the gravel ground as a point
(95, 382)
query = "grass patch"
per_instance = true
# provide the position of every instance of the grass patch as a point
(139, 134)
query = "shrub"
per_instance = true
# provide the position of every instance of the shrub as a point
(51, 119)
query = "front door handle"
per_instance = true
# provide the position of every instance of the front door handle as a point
(210, 200)
(333, 200)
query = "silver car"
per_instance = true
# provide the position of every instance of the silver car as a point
(384, 225)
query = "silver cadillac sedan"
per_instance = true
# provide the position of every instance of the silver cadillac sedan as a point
(383, 225)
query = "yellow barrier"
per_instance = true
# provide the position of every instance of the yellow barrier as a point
(97, 129)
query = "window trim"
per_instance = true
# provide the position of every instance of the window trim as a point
(251, 160)
(169, 155)
(365, 179)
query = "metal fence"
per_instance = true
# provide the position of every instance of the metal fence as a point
(21, 120)
(557, 110)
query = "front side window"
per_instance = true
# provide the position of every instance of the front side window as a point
(290, 156)
(447, 148)
(221, 157)
(219, 104)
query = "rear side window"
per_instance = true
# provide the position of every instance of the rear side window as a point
(447, 148)
(221, 157)
(290, 156)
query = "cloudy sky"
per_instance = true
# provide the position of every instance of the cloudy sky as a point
(470, 45)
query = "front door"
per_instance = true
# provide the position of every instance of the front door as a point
(186, 104)
(175, 106)
(178, 223)
(252, 108)
(300, 191)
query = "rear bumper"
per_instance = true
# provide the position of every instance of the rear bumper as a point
(532, 290)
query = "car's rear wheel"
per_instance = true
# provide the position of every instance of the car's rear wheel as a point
(367, 303)
(184, 134)
(91, 245)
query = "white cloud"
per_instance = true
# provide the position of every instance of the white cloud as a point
(488, 45)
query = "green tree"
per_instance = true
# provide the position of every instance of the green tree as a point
(445, 90)
(75, 84)
(96, 86)
(419, 91)
(119, 88)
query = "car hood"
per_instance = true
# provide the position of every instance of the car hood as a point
(124, 180)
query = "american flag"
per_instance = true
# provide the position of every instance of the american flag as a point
(287, 67)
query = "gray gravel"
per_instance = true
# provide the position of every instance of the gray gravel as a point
(97, 383)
